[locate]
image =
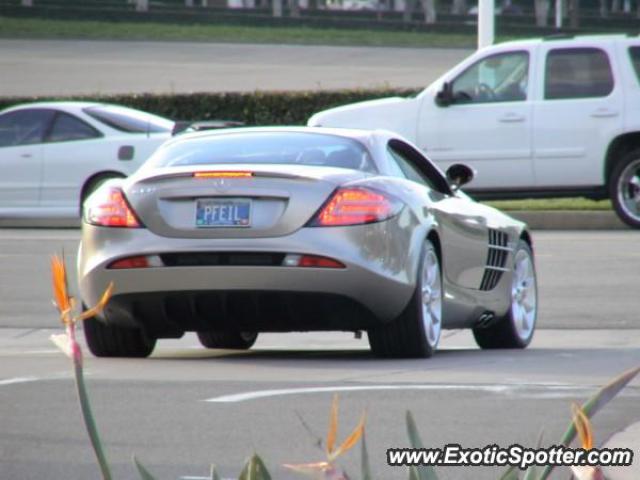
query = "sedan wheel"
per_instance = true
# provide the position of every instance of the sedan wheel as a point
(516, 328)
(416, 332)
(228, 340)
(625, 189)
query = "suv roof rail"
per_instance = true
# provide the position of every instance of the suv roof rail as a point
(559, 36)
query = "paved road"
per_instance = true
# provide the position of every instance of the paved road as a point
(186, 407)
(66, 67)
(587, 279)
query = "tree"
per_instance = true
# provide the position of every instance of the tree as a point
(430, 13)
(604, 12)
(294, 8)
(542, 12)
(142, 5)
(407, 13)
(459, 7)
(277, 8)
(574, 13)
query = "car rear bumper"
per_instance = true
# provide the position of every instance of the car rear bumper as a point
(375, 285)
(170, 314)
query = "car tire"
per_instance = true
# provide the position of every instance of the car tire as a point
(227, 340)
(624, 188)
(416, 332)
(516, 328)
(113, 341)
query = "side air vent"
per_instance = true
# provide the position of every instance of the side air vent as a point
(496, 259)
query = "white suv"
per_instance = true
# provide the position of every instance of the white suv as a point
(550, 117)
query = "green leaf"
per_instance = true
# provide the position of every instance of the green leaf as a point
(593, 405)
(255, 469)
(214, 473)
(366, 465)
(423, 472)
(531, 473)
(510, 474)
(144, 473)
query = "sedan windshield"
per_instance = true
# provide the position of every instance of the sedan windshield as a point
(288, 148)
(129, 120)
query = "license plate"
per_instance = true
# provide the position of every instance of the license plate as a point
(223, 213)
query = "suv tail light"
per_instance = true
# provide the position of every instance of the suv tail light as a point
(356, 206)
(108, 207)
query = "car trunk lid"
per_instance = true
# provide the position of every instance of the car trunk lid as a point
(233, 201)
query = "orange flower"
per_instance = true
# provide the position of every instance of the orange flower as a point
(66, 303)
(585, 432)
(583, 427)
(326, 470)
(62, 300)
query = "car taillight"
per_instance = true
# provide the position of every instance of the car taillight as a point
(108, 207)
(355, 206)
(140, 261)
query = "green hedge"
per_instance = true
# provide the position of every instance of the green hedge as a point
(254, 108)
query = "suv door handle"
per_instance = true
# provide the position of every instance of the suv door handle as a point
(511, 117)
(604, 113)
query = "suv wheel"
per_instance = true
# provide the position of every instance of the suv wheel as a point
(624, 189)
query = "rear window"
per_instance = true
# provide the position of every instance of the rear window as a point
(129, 120)
(577, 73)
(288, 148)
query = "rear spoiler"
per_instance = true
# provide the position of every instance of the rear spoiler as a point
(185, 127)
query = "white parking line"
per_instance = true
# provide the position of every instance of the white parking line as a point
(551, 390)
(243, 397)
(13, 381)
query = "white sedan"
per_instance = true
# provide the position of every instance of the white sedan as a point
(54, 154)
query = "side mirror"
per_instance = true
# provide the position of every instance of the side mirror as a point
(444, 97)
(458, 175)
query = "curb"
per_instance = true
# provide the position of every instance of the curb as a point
(537, 220)
(570, 219)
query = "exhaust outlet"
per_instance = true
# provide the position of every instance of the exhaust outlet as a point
(486, 320)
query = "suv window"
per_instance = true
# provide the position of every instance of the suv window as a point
(68, 128)
(577, 73)
(413, 166)
(634, 53)
(24, 127)
(498, 78)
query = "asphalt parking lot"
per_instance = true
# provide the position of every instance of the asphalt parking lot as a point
(186, 407)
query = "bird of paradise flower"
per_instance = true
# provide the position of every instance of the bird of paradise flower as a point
(327, 470)
(67, 342)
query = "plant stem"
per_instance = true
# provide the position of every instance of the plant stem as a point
(89, 421)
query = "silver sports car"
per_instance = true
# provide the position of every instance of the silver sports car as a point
(235, 232)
